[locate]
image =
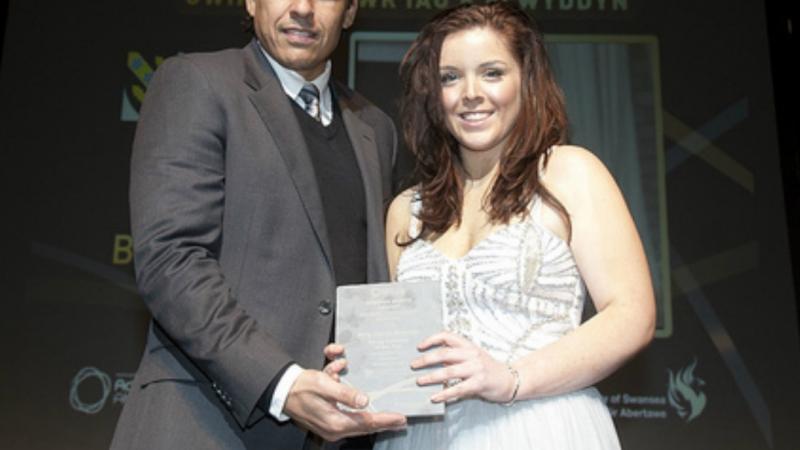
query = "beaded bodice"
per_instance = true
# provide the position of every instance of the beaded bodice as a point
(515, 291)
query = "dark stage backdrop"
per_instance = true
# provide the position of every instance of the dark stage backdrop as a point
(675, 96)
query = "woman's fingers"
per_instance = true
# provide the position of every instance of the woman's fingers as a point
(444, 338)
(456, 391)
(447, 374)
(443, 355)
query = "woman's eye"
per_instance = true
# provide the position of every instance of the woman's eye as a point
(494, 73)
(448, 77)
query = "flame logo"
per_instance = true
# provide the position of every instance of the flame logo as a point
(684, 394)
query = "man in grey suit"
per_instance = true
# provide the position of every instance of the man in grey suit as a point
(257, 187)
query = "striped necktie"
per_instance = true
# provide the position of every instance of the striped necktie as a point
(310, 96)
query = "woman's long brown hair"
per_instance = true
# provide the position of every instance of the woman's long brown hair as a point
(541, 123)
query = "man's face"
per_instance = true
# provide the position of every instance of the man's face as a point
(301, 34)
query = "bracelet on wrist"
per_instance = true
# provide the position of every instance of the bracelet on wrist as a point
(515, 374)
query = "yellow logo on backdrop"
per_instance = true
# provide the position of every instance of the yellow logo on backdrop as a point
(123, 250)
(133, 94)
(538, 5)
(210, 7)
(548, 5)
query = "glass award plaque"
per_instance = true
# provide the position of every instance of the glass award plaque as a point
(380, 326)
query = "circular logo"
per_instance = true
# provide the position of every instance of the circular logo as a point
(74, 396)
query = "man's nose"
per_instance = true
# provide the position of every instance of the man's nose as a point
(302, 8)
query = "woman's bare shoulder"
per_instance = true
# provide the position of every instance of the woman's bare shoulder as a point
(398, 216)
(573, 171)
(401, 204)
(572, 161)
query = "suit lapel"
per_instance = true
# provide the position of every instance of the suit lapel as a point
(273, 107)
(362, 137)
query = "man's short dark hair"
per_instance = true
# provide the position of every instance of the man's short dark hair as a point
(247, 24)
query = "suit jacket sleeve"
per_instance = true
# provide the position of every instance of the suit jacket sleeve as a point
(177, 198)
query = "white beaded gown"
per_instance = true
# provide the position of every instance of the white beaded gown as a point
(514, 292)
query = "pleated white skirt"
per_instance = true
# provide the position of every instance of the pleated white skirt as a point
(573, 421)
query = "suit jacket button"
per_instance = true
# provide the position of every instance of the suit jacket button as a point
(324, 307)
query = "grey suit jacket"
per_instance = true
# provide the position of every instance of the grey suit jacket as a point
(231, 252)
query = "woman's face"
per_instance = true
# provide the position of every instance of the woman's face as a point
(480, 89)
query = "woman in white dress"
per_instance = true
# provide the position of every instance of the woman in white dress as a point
(516, 226)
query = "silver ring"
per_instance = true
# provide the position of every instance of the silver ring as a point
(453, 381)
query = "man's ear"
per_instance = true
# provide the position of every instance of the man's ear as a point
(251, 7)
(350, 14)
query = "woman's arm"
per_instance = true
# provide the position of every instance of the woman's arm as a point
(611, 260)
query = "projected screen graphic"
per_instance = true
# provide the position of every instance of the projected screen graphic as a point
(613, 93)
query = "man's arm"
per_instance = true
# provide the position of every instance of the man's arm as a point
(177, 198)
